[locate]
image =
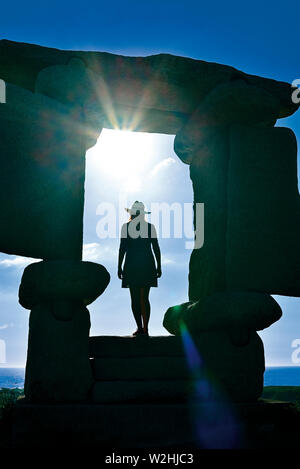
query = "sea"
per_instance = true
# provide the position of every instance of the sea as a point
(274, 376)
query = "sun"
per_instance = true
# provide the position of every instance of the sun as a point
(122, 156)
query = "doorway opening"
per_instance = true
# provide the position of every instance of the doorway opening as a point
(123, 167)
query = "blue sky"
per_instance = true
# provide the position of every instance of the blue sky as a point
(258, 37)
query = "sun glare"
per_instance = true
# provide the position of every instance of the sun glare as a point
(123, 156)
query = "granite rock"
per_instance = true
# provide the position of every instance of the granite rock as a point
(133, 347)
(42, 177)
(58, 367)
(62, 281)
(230, 103)
(162, 82)
(224, 311)
(140, 368)
(215, 370)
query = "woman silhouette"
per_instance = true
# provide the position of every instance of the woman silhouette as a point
(139, 273)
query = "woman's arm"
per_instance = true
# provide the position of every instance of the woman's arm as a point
(156, 250)
(122, 250)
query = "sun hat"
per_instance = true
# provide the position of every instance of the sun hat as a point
(136, 206)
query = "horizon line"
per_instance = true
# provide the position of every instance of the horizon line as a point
(267, 366)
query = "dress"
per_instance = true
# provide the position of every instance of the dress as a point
(139, 265)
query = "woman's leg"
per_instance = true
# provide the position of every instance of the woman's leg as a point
(145, 306)
(136, 306)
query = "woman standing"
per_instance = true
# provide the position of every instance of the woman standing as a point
(138, 239)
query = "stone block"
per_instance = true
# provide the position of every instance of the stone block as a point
(150, 391)
(208, 174)
(224, 311)
(90, 425)
(216, 369)
(58, 367)
(263, 217)
(54, 281)
(134, 347)
(234, 102)
(42, 177)
(163, 80)
(140, 368)
(182, 428)
(247, 179)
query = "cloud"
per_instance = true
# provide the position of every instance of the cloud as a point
(90, 252)
(162, 165)
(166, 260)
(94, 252)
(17, 261)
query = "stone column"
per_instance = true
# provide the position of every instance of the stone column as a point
(43, 139)
(244, 171)
(57, 292)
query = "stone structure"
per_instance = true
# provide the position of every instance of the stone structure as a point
(241, 166)
(162, 370)
(57, 292)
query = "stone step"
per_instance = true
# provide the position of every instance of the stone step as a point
(151, 391)
(140, 346)
(140, 368)
(86, 425)
(130, 364)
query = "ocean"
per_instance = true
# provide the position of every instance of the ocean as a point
(12, 378)
(274, 376)
(282, 376)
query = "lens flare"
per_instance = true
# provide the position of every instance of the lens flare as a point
(213, 418)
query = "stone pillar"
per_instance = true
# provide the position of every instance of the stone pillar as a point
(57, 292)
(244, 171)
(223, 327)
(43, 139)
